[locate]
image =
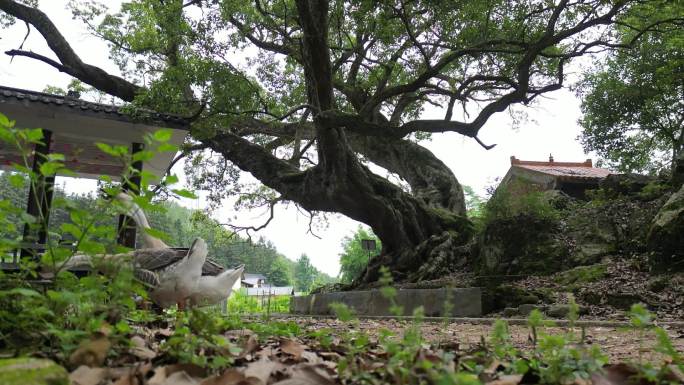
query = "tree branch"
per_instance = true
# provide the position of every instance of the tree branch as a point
(70, 62)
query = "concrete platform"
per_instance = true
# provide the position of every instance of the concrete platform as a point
(465, 302)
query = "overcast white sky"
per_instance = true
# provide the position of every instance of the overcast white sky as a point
(552, 128)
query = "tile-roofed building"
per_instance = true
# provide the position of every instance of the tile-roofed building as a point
(572, 178)
(72, 104)
(75, 126)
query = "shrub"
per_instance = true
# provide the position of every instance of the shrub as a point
(518, 198)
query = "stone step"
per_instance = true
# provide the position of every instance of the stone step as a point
(464, 302)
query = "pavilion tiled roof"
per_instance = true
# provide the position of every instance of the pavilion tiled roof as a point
(563, 170)
(106, 111)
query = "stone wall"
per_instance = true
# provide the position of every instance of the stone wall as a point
(464, 302)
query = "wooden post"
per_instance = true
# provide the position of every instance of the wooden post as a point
(126, 229)
(39, 199)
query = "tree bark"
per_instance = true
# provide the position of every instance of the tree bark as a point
(430, 179)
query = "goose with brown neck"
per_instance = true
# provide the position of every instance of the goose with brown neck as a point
(209, 289)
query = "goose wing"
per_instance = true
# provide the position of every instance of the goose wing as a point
(147, 277)
(156, 259)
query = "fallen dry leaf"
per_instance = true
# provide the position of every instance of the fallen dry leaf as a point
(140, 349)
(181, 378)
(138, 341)
(308, 375)
(191, 369)
(508, 379)
(250, 346)
(292, 348)
(158, 377)
(229, 377)
(128, 380)
(85, 375)
(262, 369)
(676, 373)
(618, 374)
(164, 332)
(91, 352)
(311, 357)
(179, 374)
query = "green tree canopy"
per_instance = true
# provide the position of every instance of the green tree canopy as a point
(279, 272)
(305, 273)
(633, 101)
(354, 259)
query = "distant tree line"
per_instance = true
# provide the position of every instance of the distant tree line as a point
(182, 225)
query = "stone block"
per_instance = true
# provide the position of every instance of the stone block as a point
(526, 309)
(465, 302)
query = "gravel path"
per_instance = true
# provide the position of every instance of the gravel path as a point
(619, 344)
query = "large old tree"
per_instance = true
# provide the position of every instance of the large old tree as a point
(305, 94)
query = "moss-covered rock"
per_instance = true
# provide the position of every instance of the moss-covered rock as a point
(666, 234)
(521, 245)
(32, 371)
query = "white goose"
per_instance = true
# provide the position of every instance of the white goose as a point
(214, 289)
(177, 281)
(209, 289)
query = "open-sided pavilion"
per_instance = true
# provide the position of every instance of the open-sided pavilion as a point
(71, 127)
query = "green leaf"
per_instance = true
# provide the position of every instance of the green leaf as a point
(17, 180)
(54, 156)
(91, 247)
(34, 135)
(4, 121)
(78, 216)
(24, 169)
(28, 218)
(58, 254)
(185, 193)
(115, 151)
(163, 135)
(143, 156)
(170, 179)
(104, 147)
(72, 229)
(24, 292)
(50, 168)
(167, 147)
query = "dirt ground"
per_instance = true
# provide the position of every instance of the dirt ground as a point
(618, 344)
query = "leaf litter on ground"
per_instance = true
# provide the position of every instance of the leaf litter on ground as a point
(303, 359)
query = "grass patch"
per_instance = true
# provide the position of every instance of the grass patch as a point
(582, 274)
